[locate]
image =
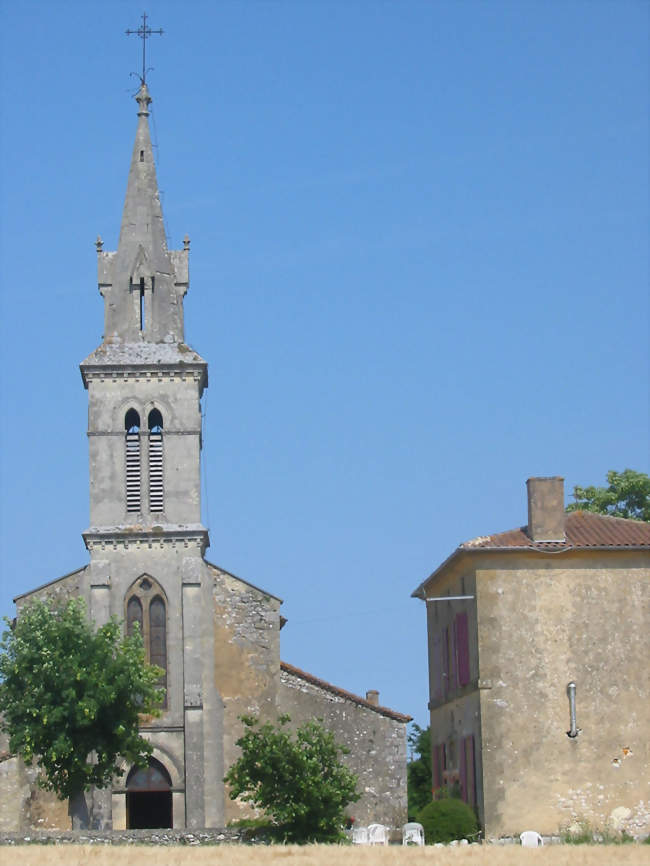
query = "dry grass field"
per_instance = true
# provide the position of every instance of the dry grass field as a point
(323, 855)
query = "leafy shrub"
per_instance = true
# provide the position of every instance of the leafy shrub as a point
(447, 819)
(297, 779)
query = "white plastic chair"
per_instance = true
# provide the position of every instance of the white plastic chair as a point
(412, 834)
(531, 839)
(360, 836)
(377, 834)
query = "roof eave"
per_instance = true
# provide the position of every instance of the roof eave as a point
(247, 582)
(569, 548)
(49, 583)
(343, 693)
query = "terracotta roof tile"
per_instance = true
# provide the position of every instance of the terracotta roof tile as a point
(342, 693)
(582, 528)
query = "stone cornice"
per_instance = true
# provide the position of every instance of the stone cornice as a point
(144, 433)
(182, 372)
(126, 537)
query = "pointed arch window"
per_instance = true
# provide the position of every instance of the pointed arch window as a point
(132, 460)
(156, 482)
(145, 605)
(134, 615)
(158, 633)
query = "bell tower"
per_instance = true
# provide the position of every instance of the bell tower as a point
(144, 383)
(146, 540)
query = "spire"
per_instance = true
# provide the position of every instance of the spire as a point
(142, 228)
(143, 283)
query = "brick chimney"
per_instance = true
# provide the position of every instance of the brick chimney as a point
(546, 509)
(372, 696)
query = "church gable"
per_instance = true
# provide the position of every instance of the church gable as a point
(247, 633)
(61, 589)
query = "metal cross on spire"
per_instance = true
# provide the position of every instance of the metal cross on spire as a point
(144, 32)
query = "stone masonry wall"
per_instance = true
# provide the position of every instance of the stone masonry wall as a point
(542, 624)
(23, 805)
(246, 660)
(377, 745)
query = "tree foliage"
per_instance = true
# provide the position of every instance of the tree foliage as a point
(448, 819)
(298, 779)
(628, 495)
(418, 770)
(70, 695)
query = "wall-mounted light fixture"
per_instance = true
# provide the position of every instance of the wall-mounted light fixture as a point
(571, 693)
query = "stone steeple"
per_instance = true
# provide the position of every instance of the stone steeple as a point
(143, 283)
(144, 383)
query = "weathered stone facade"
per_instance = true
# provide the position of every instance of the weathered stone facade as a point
(374, 736)
(542, 613)
(23, 805)
(216, 636)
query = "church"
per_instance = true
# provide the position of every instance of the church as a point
(216, 636)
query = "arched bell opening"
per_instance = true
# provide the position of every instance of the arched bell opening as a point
(149, 797)
(132, 459)
(156, 471)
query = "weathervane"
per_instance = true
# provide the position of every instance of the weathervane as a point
(144, 31)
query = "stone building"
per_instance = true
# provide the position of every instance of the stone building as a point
(216, 636)
(539, 684)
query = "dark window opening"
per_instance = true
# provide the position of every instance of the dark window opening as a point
(133, 615)
(155, 421)
(142, 322)
(132, 421)
(158, 638)
(142, 156)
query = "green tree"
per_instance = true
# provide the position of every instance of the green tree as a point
(297, 780)
(628, 495)
(71, 695)
(418, 770)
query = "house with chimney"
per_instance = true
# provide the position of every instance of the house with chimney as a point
(539, 685)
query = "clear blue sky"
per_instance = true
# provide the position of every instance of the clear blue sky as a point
(419, 273)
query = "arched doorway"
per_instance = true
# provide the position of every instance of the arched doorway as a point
(148, 797)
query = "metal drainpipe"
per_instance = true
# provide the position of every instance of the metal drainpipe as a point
(571, 692)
